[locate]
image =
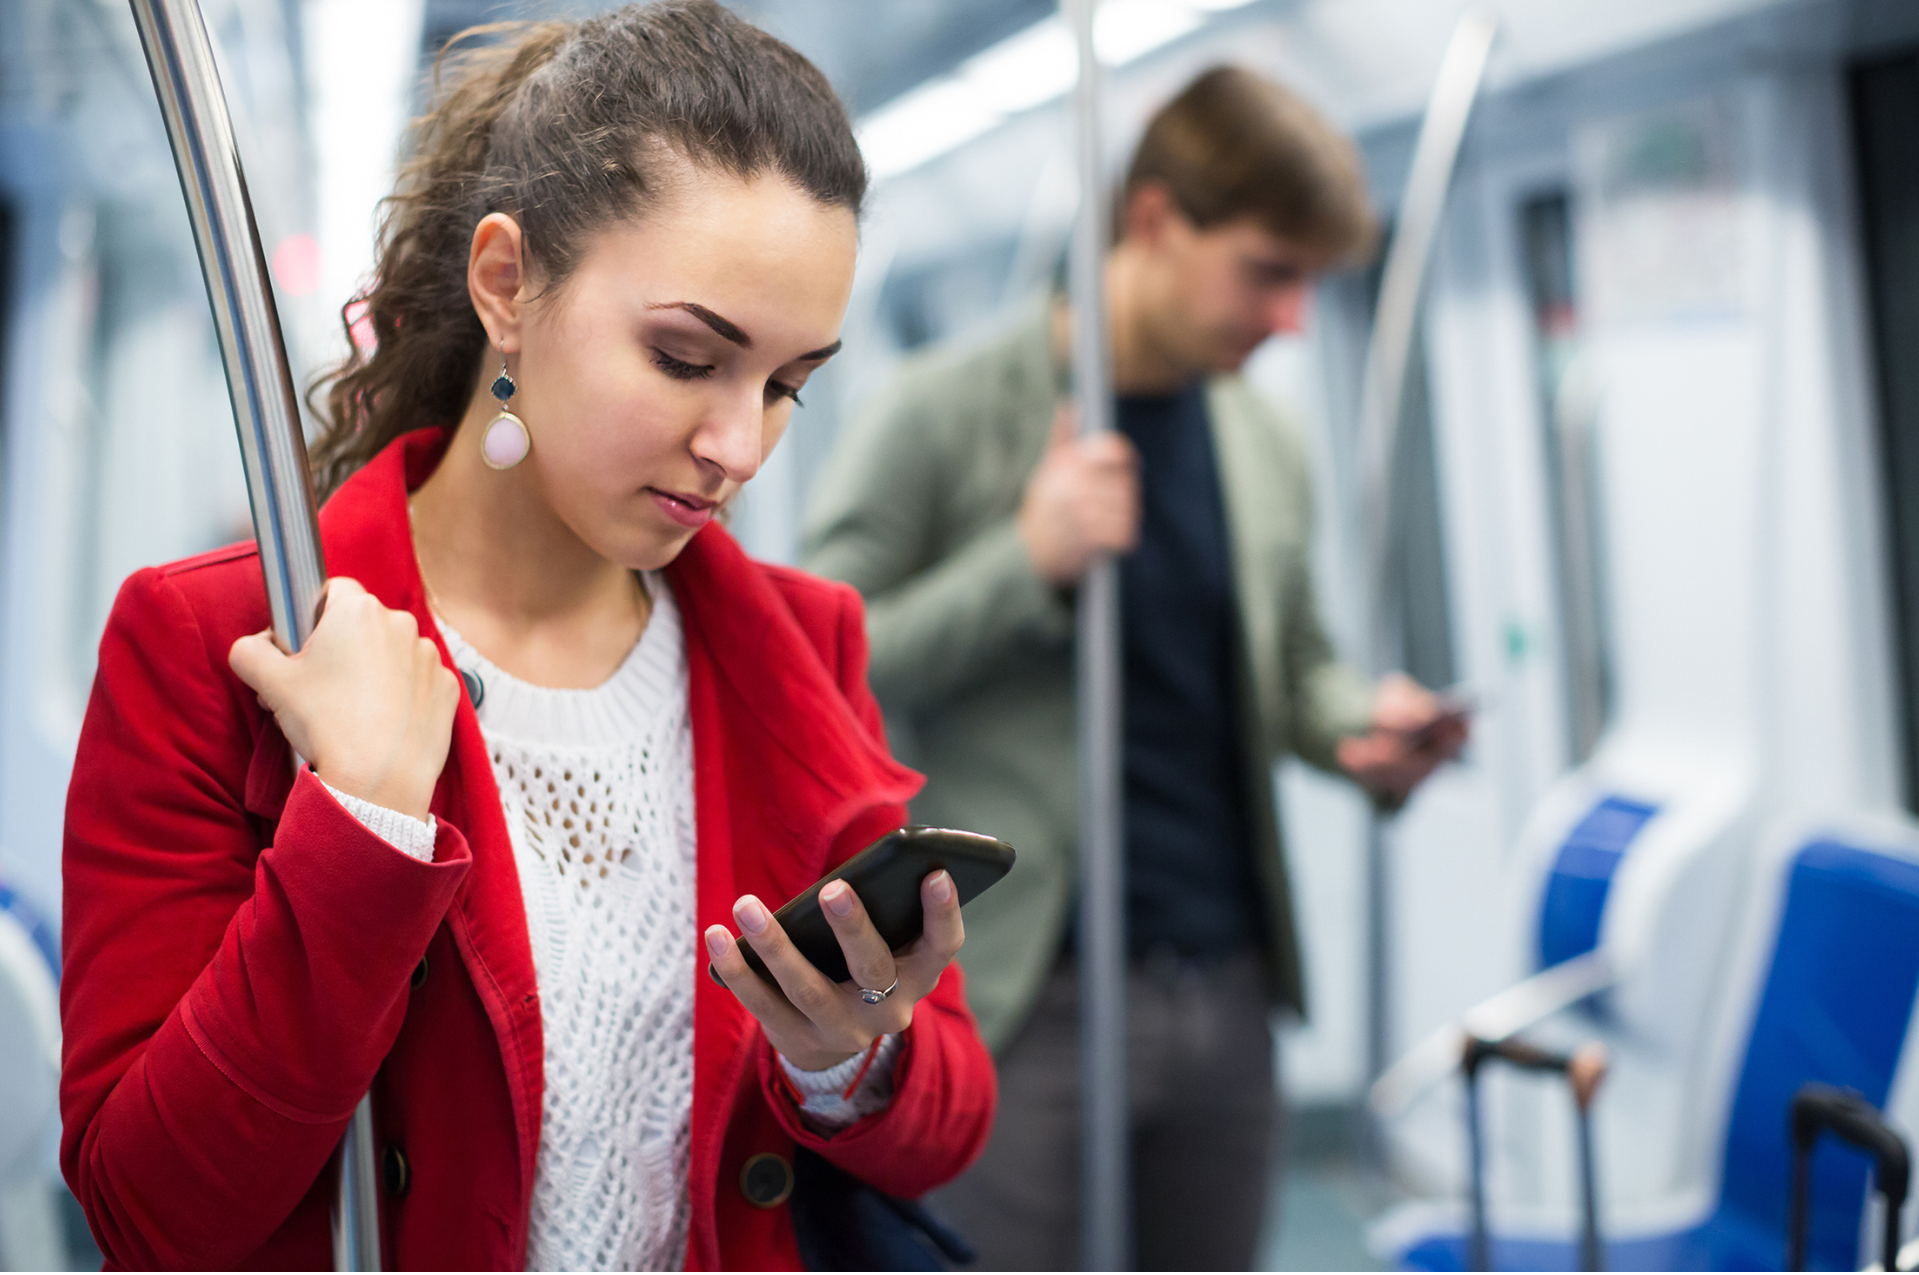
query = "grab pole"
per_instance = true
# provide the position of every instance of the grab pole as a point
(1381, 395)
(266, 411)
(1106, 1226)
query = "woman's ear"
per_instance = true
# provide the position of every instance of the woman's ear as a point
(494, 276)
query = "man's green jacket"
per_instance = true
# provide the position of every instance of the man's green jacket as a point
(972, 651)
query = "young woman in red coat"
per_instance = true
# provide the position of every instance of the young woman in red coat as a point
(564, 740)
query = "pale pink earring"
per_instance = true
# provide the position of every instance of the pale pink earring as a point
(505, 442)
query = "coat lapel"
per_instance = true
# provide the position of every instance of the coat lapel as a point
(781, 769)
(367, 535)
(1255, 534)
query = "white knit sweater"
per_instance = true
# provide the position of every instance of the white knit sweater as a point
(597, 789)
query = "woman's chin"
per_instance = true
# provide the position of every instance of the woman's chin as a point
(648, 548)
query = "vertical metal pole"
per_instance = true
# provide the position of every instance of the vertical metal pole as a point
(1381, 393)
(266, 411)
(1106, 1229)
(356, 1209)
(266, 408)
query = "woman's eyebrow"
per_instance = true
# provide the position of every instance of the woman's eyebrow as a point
(734, 332)
(718, 322)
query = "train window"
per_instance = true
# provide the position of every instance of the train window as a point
(1419, 558)
(1566, 415)
(8, 247)
(1885, 100)
(943, 298)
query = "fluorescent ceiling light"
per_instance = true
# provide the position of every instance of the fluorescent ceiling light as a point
(930, 120)
(1127, 29)
(1025, 70)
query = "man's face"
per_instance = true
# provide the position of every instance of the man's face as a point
(1214, 295)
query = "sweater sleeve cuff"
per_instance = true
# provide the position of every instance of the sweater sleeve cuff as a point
(849, 1091)
(410, 836)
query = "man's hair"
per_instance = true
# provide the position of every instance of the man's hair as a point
(1236, 145)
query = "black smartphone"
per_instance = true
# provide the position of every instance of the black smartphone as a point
(886, 876)
(1456, 704)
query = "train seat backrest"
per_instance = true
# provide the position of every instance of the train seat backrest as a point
(1573, 902)
(37, 928)
(29, 1037)
(1834, 1006)
(1644, 866)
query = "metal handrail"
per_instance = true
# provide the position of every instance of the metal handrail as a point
(1382, 392)
(266, 408)
(266, 412)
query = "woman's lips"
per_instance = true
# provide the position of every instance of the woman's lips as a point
(688, 511)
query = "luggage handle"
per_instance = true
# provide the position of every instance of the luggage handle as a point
(1844, 1113)
(1584, 1069)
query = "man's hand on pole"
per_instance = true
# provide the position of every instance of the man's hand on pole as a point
(1082, 501)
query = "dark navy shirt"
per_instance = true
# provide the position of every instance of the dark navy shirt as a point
(1189, 875)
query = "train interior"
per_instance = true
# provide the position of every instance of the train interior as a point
(1657, 517)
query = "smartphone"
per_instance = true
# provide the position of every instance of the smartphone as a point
(886, 876)
(1455, 704)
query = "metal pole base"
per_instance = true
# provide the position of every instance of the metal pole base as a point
(356, 1209)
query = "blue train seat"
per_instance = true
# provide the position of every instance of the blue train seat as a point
(1837, 929)
(1573, 904)
(30, 1237)
(1623, 896)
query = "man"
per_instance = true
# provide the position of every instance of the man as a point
(965, 511)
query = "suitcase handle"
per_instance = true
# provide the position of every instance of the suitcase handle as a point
(1584, 1069)
(1819, 1109)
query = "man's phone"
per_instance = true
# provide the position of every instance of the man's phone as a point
(886, 876)
(1456, 704)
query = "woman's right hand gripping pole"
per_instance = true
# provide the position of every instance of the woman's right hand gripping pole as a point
(366, 701)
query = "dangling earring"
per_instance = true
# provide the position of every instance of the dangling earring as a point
(505, 442)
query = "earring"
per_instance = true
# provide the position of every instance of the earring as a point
(505, 442)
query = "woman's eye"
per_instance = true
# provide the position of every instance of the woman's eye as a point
(680, 369)
(775, 390)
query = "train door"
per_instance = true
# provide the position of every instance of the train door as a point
(9, 249)
(1885, 103)
(1661, 543)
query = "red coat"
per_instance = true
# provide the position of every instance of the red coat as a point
(243, 959)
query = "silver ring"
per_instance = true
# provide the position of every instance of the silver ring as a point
(872, 997)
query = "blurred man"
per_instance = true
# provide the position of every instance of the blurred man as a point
(965, 511)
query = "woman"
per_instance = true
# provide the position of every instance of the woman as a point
(622, 249)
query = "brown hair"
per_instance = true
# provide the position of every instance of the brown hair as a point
(1234, 144)
(562, 127)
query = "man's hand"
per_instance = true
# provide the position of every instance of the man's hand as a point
(1413, 733)
(1082, 501)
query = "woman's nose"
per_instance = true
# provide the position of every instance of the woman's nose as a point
(729, 437)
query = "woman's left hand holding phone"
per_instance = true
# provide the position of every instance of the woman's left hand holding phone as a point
(815, 1023)
(366, 701)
